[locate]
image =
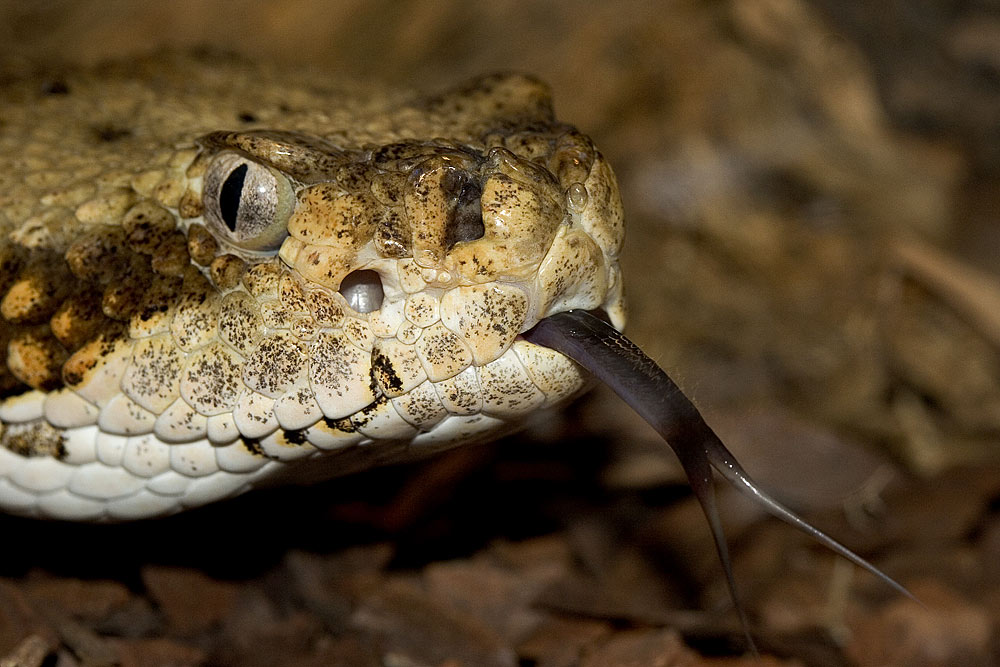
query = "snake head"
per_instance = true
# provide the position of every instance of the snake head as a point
(411, 266)
(345, 284)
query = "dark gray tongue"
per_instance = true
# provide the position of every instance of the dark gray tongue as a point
(616, 361)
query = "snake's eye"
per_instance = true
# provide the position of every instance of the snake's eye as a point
(247, 203)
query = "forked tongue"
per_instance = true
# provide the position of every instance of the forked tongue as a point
(616, 361)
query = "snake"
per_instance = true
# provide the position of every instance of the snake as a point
(217, 277)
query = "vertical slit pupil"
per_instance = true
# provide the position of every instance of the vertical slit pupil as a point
(230, 194)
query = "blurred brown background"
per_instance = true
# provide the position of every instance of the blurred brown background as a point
(813, 191)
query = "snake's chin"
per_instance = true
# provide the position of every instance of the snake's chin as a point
(588, 338)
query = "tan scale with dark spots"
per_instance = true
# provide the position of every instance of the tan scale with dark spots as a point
(214, 275)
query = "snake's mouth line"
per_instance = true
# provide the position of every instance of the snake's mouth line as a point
(613, 359)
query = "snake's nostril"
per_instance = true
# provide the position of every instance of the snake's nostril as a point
(465, 222)
(362, 290)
